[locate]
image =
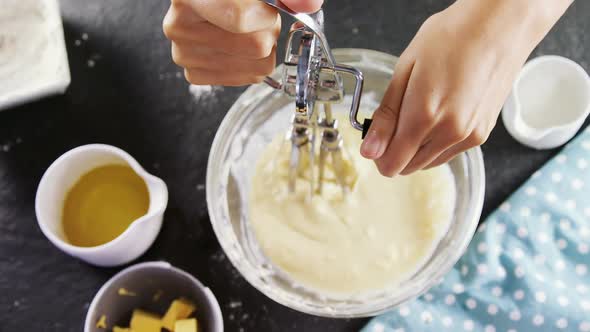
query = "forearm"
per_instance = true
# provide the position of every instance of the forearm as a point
(542, 16)
(521, 24)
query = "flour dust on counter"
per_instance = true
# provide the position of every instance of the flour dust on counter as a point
(205, 93)
(33, 59)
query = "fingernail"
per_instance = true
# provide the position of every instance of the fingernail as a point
(371, 147)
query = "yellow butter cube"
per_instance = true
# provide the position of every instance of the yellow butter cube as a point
(121, 329)
(102, 322)
(143, 321)
(125, 292)
(186, 325)
(179, 309)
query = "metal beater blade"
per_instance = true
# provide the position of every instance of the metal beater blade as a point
(312, 76)
(331, 147)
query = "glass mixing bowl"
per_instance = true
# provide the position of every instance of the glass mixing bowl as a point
(260, 114)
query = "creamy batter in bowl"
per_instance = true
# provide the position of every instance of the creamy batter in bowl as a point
(261, 114)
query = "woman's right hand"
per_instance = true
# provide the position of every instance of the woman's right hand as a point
(226, 42)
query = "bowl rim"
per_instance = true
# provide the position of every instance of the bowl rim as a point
(475, 164)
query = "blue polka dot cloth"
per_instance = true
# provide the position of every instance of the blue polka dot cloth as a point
(526, 268)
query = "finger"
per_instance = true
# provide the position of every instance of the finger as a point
(477, 138)
(237, 16)
(450, 131)
(418, 115)
(304, 6)
(424, 156)
(385, 118)
(179, 15)
(199, 76)
(254, 45)
(188, 56)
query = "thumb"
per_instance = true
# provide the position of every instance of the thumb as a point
(385, 118)
(304, 6)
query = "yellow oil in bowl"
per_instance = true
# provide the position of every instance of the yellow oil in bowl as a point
(102, 204)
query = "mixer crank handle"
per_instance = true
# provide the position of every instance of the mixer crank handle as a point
(356, 98)
(366, 126)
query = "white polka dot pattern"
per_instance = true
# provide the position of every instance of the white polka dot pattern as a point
(527, 267)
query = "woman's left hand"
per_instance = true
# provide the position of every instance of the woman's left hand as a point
(452, 80)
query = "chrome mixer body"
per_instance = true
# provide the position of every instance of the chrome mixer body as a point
(313, 78)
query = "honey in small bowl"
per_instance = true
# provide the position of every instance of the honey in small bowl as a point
(102, 204)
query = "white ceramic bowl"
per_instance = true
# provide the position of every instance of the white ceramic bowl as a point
(252, 122)
(63, 174)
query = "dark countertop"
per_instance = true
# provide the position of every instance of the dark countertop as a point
(135, 98)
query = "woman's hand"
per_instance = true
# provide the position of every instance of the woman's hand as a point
(226, 42)
(452, 80)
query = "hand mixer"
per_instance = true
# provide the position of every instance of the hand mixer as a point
(312, 77)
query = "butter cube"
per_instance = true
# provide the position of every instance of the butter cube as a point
(102, 322)
(143, 321)
(186, 325)
(125, 292)
(179, 309)
(121, 329)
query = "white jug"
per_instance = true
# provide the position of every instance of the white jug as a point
(65, 172)
(549, 102)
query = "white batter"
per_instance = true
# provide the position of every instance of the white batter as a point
(379, 235)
